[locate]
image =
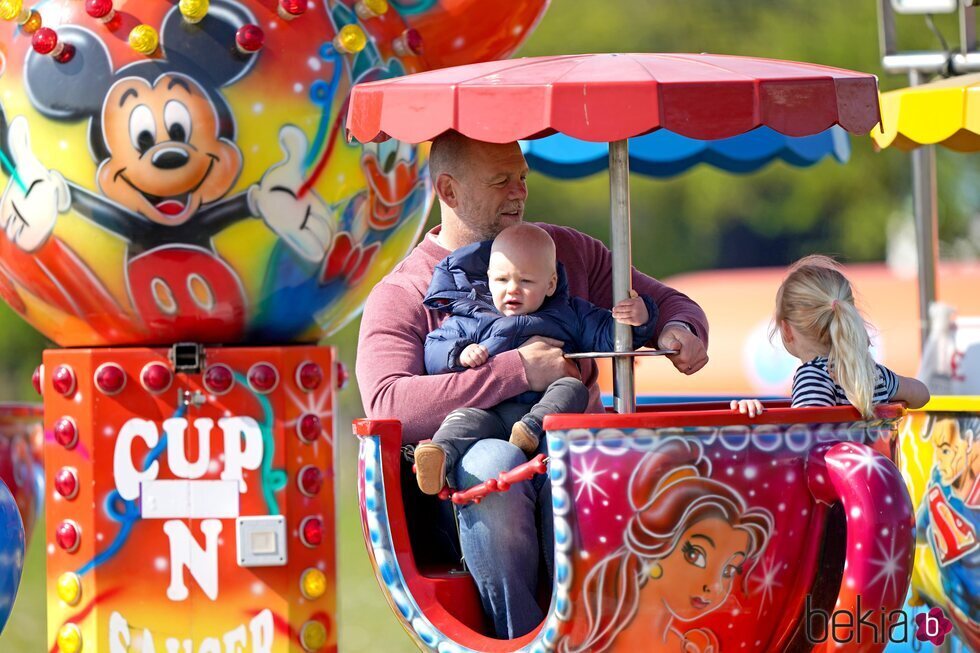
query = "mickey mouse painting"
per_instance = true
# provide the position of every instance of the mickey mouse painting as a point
(164, 140)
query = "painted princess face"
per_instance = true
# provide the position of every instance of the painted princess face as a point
(698, 573)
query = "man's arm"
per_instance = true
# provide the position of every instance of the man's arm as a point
(679, 315)
(391, 371)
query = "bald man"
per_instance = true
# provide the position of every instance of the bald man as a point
(482, 190)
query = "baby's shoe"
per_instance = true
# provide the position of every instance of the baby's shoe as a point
(430, 467)
(523, 436)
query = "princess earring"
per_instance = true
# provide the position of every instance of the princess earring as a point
(656, 571)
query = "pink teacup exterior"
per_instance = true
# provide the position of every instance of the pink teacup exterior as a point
(721, 538)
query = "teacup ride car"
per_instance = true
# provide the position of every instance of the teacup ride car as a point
(677, 527)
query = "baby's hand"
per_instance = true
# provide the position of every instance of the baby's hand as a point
(632, 311)
(474, 356)
(750, 407)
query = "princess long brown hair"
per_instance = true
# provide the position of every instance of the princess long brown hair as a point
(669, 492)
(816, 298)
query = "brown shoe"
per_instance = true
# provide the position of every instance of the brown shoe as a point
(430, 467)
(522, 437)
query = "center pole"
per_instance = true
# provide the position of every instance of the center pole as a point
(624, 393)
(925, 205)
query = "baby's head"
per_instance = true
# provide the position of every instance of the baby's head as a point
(522, 272)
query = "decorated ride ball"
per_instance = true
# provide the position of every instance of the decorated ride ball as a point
(21, 461)
(179, 171)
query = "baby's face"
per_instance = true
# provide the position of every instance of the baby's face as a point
(519, 282)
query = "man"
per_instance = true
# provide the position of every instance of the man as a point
(482, 189)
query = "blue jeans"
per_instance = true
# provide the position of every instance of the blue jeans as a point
(504, 536)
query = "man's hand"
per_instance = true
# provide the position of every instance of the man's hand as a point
(632, 311)
(474, 355)
(545, 363)
(691, 355)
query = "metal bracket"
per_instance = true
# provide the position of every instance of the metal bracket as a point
(187, 357)
(960, 60)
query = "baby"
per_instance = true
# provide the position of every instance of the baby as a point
(499, 295)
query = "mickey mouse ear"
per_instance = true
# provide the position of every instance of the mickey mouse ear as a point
(208, 47)
(71, 90)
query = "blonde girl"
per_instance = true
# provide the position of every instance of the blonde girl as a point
(820, 325)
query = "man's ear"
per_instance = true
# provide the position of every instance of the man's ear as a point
(553, 284)
(446, 190)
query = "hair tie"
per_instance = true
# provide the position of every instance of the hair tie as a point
(833, 305)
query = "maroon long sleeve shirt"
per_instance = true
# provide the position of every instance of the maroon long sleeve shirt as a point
(390, 367)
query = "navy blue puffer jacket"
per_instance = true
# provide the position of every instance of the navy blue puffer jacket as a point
(459, 286)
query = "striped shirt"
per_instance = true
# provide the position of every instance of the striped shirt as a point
(813, 385)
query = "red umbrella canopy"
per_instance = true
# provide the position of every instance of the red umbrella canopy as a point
(609, 97)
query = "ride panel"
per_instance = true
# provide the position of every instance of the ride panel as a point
(191, 509)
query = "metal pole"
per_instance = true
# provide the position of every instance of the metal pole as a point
(926, 223)
(624, 395)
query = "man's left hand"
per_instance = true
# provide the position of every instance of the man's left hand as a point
(691, 355)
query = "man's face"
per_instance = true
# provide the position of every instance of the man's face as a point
(491, 188)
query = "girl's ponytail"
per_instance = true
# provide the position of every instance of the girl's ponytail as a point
(850, 361)
(816, 298)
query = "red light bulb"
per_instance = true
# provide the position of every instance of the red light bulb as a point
(66, 483)
(63, 380)
(309, 376)
(290, 9)
(110, 378)
(45, 41)
(37, 379)
(308, 428)
(249, 38)
(263, 378)
(156, 377)
(342, 375)
(218, 379)
(69, 536)
(311, 531)
(65, 432)
(409, 43)
(309, 480)
(67, 53)
(100, 9)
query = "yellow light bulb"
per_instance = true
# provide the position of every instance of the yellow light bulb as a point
(313, 636)
(11, 9)
(194, 10)
(69, 639)
(33, 22)
(69, 588)
(350, 40)
(144, 39)
(370, 8)
(313, 583)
